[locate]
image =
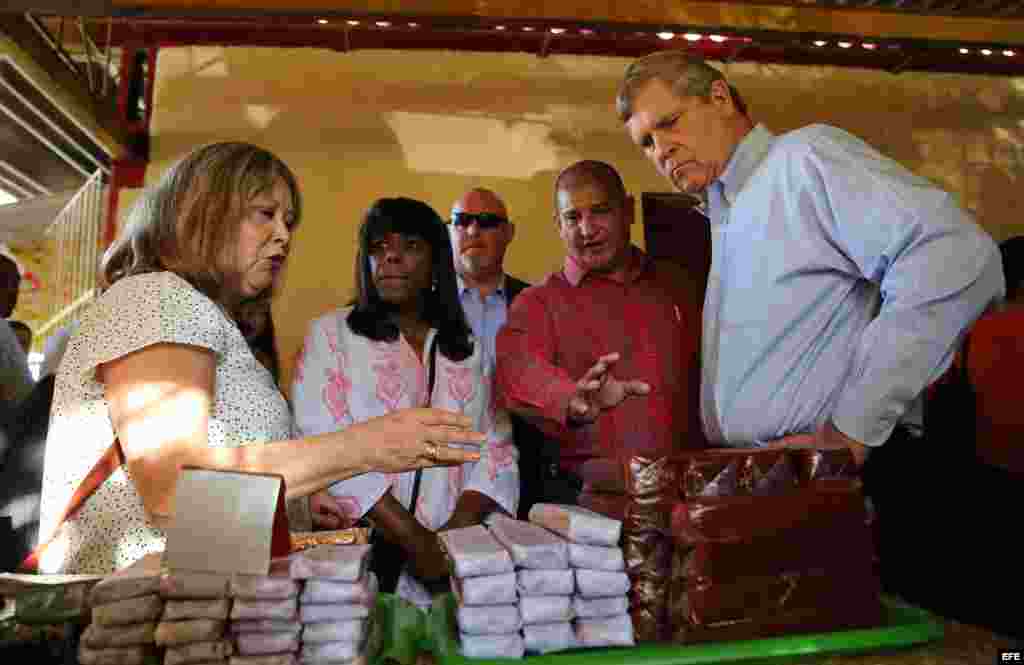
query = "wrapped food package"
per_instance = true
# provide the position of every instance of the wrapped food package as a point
(173, 633)
(136, 655)
(545, 609)
(133, 610)
(647, 546)
(258, 644)
(285, 610)
(142, 578)
(549, 637)
(488, 619)
(329, 591)
(266, 626)
(98, 636)
(607, 632)
(473, 552)
(752, 566)
(343, 563)
(350, 652)
(545, 582)
(596, 557)
(353, 630)
(601, 583)
(531, 546)
(486, 589)
(263, 587)
(592, 608)
(492, 646)
(179, 610)
(198, 652)
(576, 524)
(273, 659)
(332, 612)
(190, 584)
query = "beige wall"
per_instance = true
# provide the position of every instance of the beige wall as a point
(429, 125)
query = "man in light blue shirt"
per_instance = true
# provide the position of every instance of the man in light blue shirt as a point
(841, 283)
(480, 232)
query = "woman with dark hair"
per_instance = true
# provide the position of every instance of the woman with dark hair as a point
(158, 375)
(378, 355)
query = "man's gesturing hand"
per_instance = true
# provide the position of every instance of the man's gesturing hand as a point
(598, 390)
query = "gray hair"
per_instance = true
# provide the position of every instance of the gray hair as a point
(687, 75)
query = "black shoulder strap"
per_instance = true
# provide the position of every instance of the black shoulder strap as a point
(432, 362)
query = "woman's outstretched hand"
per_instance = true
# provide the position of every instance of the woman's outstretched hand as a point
(415, 438)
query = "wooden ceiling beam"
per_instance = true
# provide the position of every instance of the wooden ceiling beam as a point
(871, 23)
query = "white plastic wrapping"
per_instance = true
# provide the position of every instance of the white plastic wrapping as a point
(548, 637)
(601, 583)
(257, 644)
(545, 582)
(609, 632)
(492, 646)
(488, 619)
(486, 589)
(329, 591)
(577, 524)
(530, 545)
(343, 563)
(473, 551)
(593, 608)
(596, 557)
(545, 609)
(353, 630)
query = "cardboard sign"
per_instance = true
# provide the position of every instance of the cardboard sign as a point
(227, 522)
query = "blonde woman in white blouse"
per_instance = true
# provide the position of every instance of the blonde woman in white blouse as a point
(159, 362)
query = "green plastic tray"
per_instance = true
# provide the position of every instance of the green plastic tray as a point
(905, 626)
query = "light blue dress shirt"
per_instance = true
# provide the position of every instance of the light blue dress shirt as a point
(486, 316)
(841, 284)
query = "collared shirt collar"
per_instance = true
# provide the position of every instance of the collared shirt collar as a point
(638, 260)
(744, 161)
(463, 289)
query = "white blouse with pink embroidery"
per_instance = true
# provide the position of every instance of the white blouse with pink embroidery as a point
(343, 378)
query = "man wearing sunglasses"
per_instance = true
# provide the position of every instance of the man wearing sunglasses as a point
(480, 234)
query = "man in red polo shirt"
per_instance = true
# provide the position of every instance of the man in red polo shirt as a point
(602, 355)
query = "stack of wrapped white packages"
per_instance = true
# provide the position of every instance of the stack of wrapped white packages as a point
(600, 604)
(126, 607)
(336, 607)
(544, 580)
(265, 619)
(484, 583)
(195, 613)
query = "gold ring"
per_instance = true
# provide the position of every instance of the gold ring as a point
(431, 450)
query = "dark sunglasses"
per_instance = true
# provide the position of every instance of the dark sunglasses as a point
(484, 220)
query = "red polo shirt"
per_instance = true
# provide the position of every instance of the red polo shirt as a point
(557, 330)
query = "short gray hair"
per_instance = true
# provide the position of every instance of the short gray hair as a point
(687, 75)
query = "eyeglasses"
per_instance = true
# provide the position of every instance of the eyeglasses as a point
(484, 220)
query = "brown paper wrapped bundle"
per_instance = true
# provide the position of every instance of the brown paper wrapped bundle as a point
(98, 636)
(174, 633)
(193, 585)
(142, 578)
(180, 610)
(136, 655)
(274, 659)
(133, 610)
(198, 652)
